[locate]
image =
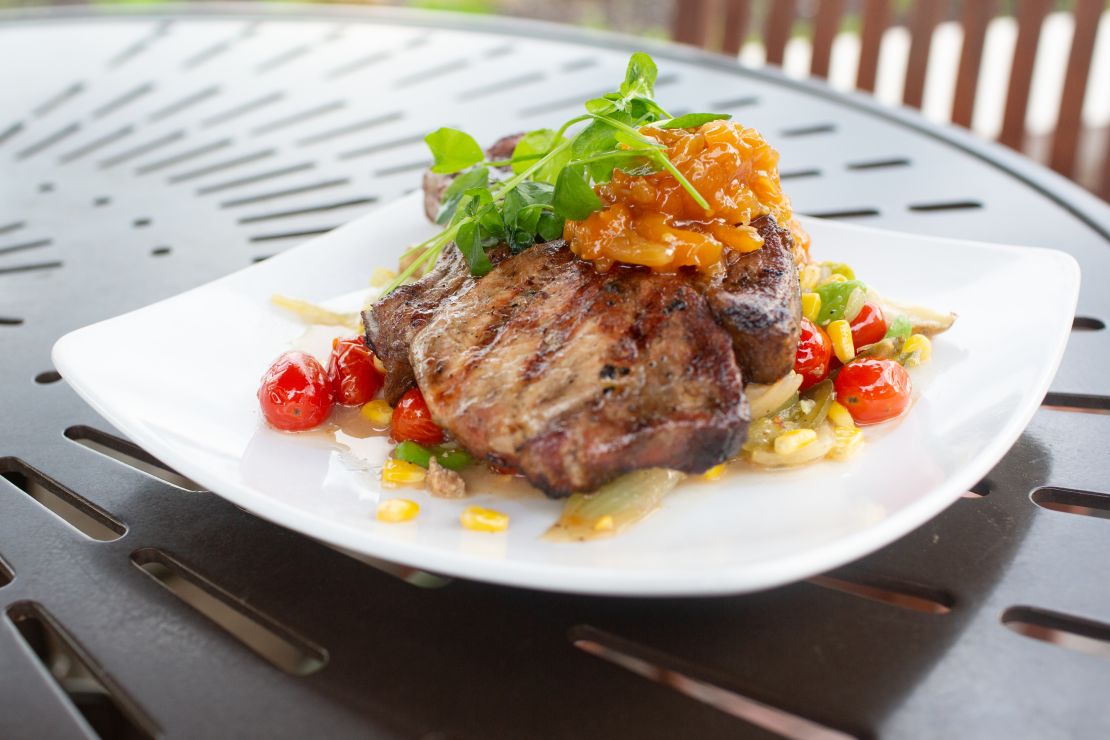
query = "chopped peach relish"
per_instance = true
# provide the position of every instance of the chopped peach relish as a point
(651, 220)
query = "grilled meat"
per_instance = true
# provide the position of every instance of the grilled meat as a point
(574, 377)
(757, 299)
(435, 184)
(392, 322)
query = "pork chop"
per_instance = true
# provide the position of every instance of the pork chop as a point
(393, 321)
(757, 299)
(573, 376)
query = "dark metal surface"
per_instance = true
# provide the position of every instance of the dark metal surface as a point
(148, 154)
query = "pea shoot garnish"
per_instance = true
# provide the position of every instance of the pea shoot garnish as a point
(554, 173)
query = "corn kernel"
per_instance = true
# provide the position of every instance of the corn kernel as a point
(477, 519)
(836, 277)
(840, 416)
(381, 277)
(395, 510)
(848, 441)
(794, 440)
(402, 473)
(714, 472)
(377, 412)
(809, 277)
(840, 333)
(917, 349)
(841, 269)
(604, 524)
(811, 305)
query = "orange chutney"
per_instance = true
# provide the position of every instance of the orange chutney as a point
(651, 220)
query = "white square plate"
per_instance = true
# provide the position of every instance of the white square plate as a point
(179, 377)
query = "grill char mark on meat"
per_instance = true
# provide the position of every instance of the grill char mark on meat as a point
(574, 377)
(392, 322)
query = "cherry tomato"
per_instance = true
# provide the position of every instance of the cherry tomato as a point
(814, 351)
(296, 393)
(354, 378)
(873, 390)
(869, 326)
(413, 421)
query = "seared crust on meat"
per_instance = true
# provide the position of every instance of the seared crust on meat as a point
(574, 377)
(392, 322)
(757, 299)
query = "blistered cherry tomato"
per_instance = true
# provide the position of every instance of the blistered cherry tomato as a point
(869, 326)
(296, 393)
(413, 421)
(873, 390)
(354, 378)
(814, 351)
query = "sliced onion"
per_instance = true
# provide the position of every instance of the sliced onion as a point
(614, 506)
(856, 299)
(922, 320)
(815, 450)
(310, 313)
(767, 399)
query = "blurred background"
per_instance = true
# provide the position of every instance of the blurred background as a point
(1033, 74)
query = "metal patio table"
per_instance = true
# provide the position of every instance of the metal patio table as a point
(146, 153)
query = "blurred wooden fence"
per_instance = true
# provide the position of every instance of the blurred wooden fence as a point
(725, 25)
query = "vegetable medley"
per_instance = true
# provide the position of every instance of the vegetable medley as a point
(851, 368)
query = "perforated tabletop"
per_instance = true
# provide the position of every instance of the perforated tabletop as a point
(145, 154)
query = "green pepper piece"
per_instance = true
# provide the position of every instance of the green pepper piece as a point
(900, 327)
(452, 459)
(822, 397)
(834, 299)
(411, 452)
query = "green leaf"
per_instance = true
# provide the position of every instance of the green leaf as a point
(630, 140)
(453, 150)
(646, 110)
(693, 120)
(633, 163)
(469, 241)
(473, 203)
(574, 198)
(522, 210)
(493, 227)
(594, 140)
(534, 145)
(526, 197)
(550, 227)
(900, 327)
(639, 77)
(475, 178)
(600, 106)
